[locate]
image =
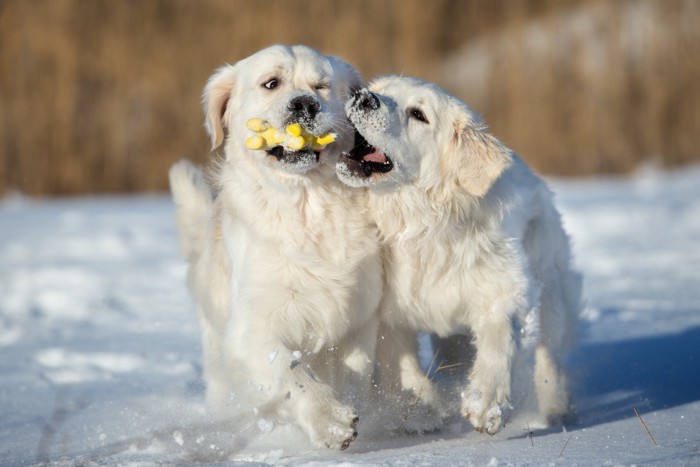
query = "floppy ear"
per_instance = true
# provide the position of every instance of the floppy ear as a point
(481, 157)
(217, 93)
(351, 76)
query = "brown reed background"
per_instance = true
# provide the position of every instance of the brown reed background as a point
(103, 95)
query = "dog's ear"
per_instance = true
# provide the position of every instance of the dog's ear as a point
(217, 93)
(481, 157)
(351, 76)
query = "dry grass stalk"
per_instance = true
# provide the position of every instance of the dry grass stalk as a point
(561, 453)
(645, 426)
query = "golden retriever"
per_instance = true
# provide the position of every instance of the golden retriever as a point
(472, 243)
(284, 266)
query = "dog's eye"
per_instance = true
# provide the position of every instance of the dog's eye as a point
(271, 84)
(418, 115)
(321, 86)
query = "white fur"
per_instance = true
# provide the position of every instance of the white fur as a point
(472, 243)
(283, 264)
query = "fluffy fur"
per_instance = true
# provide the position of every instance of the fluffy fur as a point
(472, 243)
(283, 264)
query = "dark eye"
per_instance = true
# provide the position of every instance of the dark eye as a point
(321, 86)
(271, 84)
(418, 115)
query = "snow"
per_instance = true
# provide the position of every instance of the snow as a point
(100, 355)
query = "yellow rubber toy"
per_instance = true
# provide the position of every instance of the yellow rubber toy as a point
(294, 137)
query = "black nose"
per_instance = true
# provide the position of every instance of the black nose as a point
(304, 106)
(366, 100)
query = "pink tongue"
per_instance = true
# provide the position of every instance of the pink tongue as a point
(375, 156)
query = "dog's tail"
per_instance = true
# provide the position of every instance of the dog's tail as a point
(193, 203)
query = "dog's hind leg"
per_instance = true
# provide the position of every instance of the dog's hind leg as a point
(355, 368)
(219, 395)
(559, 310)
(547, 246)
(550, 385)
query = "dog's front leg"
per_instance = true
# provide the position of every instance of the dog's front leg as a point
(314, 406)
(281, 384)
(486, 396)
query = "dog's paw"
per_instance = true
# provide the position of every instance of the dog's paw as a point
(334, 427)
(485, 416)
(424, 410)
(423, 418)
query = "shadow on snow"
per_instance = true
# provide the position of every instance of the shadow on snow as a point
(653, 373)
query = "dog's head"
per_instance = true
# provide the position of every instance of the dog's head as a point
(410, 132)
(281, 85)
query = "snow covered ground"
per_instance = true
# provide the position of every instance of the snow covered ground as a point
(100, 356)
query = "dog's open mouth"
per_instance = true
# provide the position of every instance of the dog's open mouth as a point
(304, 156)
(363, 160)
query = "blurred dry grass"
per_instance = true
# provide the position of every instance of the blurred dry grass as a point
(102, 96)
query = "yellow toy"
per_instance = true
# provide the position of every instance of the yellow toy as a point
(294, 137)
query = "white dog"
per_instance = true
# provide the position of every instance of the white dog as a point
(472, 244)
(283, 264)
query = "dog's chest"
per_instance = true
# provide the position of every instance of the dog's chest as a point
(301, 266)
(428, 285)
(442, 284)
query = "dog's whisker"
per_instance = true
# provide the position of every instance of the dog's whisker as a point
(342, 128)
